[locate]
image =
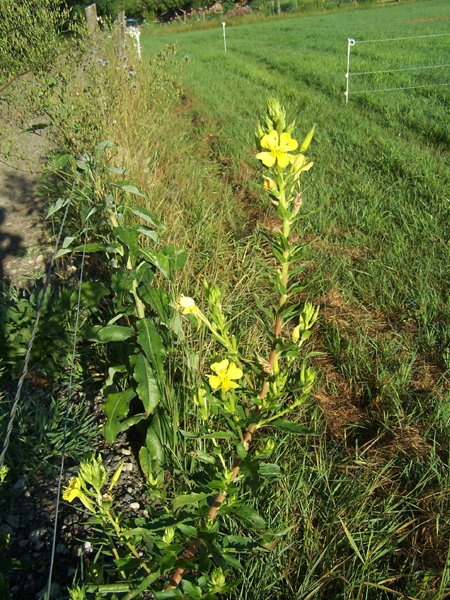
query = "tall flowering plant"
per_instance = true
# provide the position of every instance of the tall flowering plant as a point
(254, 394)
(181, 551)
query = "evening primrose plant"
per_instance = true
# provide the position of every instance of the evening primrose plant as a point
(184, 549)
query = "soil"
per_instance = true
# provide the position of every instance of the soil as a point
(22, 237)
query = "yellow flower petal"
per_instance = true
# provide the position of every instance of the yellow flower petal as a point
(220, 367)
(234, 372)
(215, 382)
(287, 143)
(270, 140)
(227, 385)
(73, 490)
(267, 158)
(284, 160)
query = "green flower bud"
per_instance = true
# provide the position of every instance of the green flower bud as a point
(169, 534)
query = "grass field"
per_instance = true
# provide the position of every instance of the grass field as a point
(367, 498)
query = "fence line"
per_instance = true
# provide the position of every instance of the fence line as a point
(352, 42)
(411, 87)
(68, 400)
(411, 37)
(24, 373)
(399, 70)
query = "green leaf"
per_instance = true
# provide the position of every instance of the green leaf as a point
(241, 451)
(269, 470)
(187, 499)
(306, 142)
(290, 427)
(193, 591)
(220, 435)
(131, 189)
(54, 208)
(151, 456)
(150, 233)
(129, 237)
(112, 371)
(188, 530)
(145, 215)
(158, 259)
(147, 387)
(232, 561)
(116, 407)
(109, 333)
(152, 345)
(176, 257)
(91, 293)
(249, 516)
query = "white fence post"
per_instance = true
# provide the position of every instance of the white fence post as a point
(350, 42)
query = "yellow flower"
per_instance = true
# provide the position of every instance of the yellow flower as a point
(186, 305)
(225, 372)
(73, 490)
(279, 147)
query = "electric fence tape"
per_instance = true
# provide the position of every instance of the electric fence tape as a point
(68, 400)
(352, 42)
(24, 373)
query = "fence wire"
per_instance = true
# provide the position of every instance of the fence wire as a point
(68, 401)
(26, 361)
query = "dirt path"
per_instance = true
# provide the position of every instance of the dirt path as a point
(21, 232)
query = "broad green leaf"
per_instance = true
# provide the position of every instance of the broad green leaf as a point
(116, 407)
(158, 259)
(188, 530)
(153, 441)
(176, 257)
(145, 215)
(232, 561)
(109, 333)
(60, 203)
(91, 293)
(112, 371)
(187, 499)
(150, 233)
(152, 345)
(147, 388)
(193, 591)
(269, 470)
(290, 427)
(250, 516)
(131, 189)
(129, 237)
(122, 281)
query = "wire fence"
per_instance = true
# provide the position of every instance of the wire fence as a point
(352, 42)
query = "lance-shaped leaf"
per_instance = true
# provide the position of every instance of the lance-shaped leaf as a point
(306, 142)
(249, 516)
(147, 388)
(109, 333)
(152, 345)
(290, 427)
(116, 409)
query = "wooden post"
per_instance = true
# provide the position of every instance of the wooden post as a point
(121, 34)
(91, 18)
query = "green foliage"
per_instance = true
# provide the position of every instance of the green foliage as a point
(30, 35)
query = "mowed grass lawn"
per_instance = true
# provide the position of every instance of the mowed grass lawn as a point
(367, 499)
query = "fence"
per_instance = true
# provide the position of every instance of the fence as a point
(352, 42)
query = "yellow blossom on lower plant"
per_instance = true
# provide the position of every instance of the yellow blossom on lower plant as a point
(186, 305)
(278, 147)
(73, 490)
(225, 372)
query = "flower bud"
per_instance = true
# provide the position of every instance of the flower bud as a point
(169, 534)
